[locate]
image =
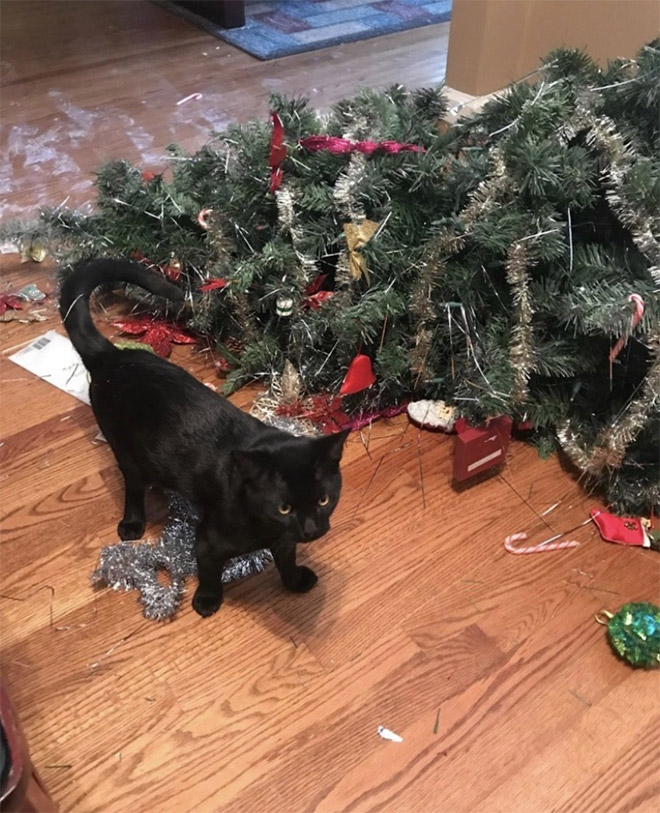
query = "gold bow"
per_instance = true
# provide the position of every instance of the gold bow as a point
(357, 237)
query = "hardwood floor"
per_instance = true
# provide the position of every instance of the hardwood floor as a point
(490, 666)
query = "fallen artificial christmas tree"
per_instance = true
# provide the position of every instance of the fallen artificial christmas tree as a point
(496, 264)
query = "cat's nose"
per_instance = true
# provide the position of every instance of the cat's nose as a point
(311, 530)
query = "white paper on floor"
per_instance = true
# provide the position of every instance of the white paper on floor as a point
(53, 358)
(386, 734)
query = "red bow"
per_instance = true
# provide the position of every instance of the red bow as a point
(277, 153)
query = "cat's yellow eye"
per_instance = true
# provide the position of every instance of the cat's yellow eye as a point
(324, 500)
(284, 508)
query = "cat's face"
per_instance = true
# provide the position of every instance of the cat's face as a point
(292, 487)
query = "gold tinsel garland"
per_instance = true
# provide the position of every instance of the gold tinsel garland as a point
(601, 132)
(445, 243)
(610, 448)
(521, 349)
(347, 186)
(288, 222)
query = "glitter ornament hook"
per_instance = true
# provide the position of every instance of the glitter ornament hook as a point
(603, 617)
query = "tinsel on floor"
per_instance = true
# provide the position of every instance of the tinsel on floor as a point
(385, 256)
(135, 566)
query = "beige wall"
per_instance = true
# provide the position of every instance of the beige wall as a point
(494, 42)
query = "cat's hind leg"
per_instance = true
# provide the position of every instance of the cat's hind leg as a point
(133, 523)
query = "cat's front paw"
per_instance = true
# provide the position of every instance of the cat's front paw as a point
(131, 529)
(300, 580)
(205, 603)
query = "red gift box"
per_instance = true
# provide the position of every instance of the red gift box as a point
(481, 448)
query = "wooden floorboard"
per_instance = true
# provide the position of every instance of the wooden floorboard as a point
(490, 666)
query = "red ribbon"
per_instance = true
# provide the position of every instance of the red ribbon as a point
(343, 146)
(277, 153)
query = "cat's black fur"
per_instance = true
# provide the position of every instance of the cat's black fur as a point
(169, 430)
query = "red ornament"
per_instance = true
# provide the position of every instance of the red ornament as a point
(622, 530)
(172, 272)
(480, 448)
(277, 153)
(148, 176)
(159, 334)
(316, 300)
(315, 296)
(315, 285)
(359, 376)
(8, 301)
(213, 285)
(222, 365)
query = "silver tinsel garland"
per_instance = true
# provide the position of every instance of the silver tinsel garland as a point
(135, 566)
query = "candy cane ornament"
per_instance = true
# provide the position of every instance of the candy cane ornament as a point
(636, 319)
(203, 218)
(547, 544)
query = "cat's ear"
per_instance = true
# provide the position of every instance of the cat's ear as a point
(250, 464)
(331, 447)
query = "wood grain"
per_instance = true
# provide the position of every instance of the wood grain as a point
(489, 665)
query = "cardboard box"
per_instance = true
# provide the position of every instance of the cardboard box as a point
(495, 42)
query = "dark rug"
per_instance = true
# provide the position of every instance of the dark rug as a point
(275, 29)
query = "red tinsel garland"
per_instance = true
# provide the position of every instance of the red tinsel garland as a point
(325, 412)
(316, 143)
(342, 146)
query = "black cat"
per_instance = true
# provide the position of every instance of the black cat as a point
(256, 486)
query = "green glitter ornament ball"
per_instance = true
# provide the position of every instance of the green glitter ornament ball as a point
(635, 634)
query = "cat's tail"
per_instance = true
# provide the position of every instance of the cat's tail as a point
(77, 288)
